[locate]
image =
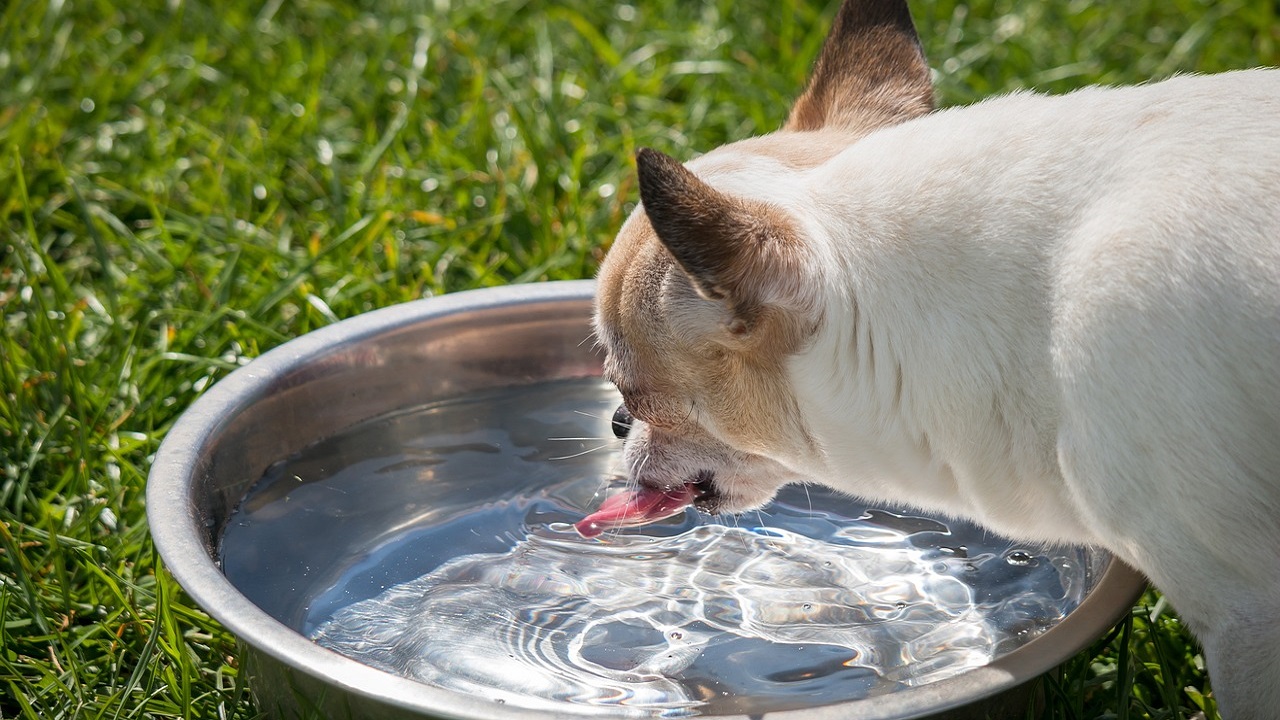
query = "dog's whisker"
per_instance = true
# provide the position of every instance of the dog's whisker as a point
(693, 411)
(635, 474)
(588, 451)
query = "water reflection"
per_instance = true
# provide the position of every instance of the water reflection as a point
(437, 545)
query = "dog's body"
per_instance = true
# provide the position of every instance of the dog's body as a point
(1057, 316)
(1006, 281)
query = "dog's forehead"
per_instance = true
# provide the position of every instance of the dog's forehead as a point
(734, 171)
(629, 287)
(753, 167)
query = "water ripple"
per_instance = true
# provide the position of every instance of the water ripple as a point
(663, 626)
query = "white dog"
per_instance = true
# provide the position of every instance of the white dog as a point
(1056, 316)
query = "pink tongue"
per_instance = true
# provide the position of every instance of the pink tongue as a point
(634, 507)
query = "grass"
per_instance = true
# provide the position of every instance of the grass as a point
(184, 185)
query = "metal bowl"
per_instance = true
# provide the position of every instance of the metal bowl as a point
(410, 355)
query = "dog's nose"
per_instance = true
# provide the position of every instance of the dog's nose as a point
(622, 421)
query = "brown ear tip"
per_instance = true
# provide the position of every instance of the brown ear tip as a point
(648, 157)
(657, 172)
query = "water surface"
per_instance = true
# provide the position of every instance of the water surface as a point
(437, 544)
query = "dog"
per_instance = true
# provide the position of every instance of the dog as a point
(1057, 316)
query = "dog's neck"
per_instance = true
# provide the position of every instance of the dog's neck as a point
(934, 362)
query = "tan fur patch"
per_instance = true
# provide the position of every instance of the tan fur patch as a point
(678, 359)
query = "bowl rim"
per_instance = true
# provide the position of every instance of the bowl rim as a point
(178, 533)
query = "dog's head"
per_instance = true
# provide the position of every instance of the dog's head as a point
(711, 285)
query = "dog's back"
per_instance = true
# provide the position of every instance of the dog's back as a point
(1101, 270)
(1167, 347)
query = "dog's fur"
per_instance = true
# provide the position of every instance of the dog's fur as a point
(1057, 316)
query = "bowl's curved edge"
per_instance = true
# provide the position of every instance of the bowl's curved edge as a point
(175, 527)
(184, 541)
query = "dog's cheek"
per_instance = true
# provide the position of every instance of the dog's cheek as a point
(666, 459)
(656, 458)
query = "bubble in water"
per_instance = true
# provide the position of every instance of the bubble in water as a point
(1019, 558)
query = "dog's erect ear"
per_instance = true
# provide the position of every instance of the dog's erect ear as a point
(870, 73)
(742, 252)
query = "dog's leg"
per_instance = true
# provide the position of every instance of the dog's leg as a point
(1240, 651)
(1233, 607)
(1169, 440)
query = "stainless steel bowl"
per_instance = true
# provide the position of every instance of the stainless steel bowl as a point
(410, 355)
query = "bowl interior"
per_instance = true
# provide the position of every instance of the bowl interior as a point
(421, 354)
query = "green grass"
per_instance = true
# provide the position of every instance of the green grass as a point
(184, 185)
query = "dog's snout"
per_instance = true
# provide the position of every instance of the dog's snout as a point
(622, 421)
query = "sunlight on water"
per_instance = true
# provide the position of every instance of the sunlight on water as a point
(437, 545)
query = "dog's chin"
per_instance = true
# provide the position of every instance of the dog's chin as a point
(716, 496)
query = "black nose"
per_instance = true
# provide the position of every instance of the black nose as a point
(622, 421)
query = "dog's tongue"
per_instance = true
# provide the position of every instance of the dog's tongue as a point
(635, 507)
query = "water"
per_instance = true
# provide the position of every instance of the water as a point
(437, 544)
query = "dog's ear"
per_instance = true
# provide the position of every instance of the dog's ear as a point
(870, 73)
(744, 253)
